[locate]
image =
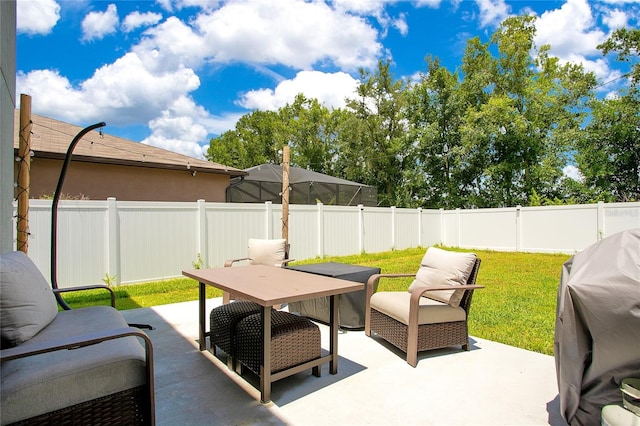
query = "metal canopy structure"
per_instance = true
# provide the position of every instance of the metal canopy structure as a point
(264, 183)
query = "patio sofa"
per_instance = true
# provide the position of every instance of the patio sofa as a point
(82, 366)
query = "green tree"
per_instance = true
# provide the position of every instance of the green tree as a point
(626, 43)
(609, 154)
(520, 126)
(307, 128)
(435, 109)
(608, 151)
(256, 139)
(375, 142)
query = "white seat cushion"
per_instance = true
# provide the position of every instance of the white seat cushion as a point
(441, 267)
(396, 305)
(267, 252)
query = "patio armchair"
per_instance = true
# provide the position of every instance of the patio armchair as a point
(80, 366)
(271, 252)
(433, 312)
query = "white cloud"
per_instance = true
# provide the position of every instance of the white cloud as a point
(361, 7)
(36, 16)
(615, 19)
(401, 25)
(572, 172)
(96, 25)
(170, 45)
(136, 20)
(569, 30)
(429, 3)
(330, 89)
(178, 130)
(293, 33)
(572, 33)
(153, 83)
(492, 12)
(122, 93)
(185, 127)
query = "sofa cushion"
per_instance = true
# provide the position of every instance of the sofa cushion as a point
(267, 252)
(395, 304)
(47, 382)
(444, 268)
(27, 304)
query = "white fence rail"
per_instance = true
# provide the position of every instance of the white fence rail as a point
(146, 241)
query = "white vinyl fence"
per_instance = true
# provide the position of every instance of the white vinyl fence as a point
(133, 242)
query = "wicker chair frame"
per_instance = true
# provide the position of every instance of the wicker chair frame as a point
(413, 337)
(135, 406)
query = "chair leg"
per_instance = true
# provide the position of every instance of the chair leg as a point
(412, 345)
(412, 359)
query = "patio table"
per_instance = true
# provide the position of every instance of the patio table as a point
(269, 286)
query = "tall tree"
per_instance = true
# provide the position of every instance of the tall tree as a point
(306, 126)
(257, 139)
(609, 154)
(519, 132)
(376, 133)
(609, 151)
(434, 112)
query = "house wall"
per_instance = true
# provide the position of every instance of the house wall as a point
(96, 181)
(7, 108)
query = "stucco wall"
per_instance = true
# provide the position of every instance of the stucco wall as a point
(100, 181)
(7, 108)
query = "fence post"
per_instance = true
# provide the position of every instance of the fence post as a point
(518, 228)
(419, 226)
(443, 234)
(268, 223)
(600, 221)
(320, 228)
(113, 241)
(393, 227)
(202, 233)
(458, 227)
(361, 228)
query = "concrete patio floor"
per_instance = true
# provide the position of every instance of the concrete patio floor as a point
(493, 384)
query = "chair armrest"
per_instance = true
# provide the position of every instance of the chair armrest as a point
(373, 279)
(371, 282)
(88, 287)
(73, 342)
(421, 290)
(230, 262)
(283, 263)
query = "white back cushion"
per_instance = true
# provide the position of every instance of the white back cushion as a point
(27, 303)
(267, 252)
(440, 268)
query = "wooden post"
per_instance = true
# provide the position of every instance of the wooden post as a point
(285, 193)
(24, 175)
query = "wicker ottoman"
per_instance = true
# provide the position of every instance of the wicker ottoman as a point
(294, 340)
(224, 320)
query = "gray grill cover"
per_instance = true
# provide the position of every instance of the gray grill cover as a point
(597, 334)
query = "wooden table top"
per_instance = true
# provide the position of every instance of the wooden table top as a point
(270, 285)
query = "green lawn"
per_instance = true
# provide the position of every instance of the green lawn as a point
(516, 307)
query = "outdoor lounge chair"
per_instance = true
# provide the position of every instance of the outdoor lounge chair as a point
(433, 312)
(262, 252)
(80, 366)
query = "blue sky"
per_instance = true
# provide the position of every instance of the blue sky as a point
(175, 73)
